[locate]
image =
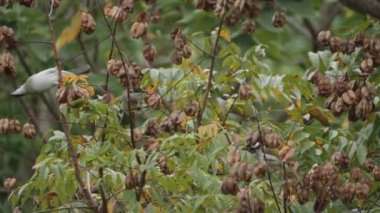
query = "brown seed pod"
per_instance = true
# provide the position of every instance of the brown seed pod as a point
(286, 154)
(155, 16)
(177, 57)
(324, 87)
(191, 108)
(29, 130)
(26, 3)
(178, 118)
(115, 67)
(369, 164)
(248, 26)
(347, 193)
(324, 38)
(140, 27)
(127, 5)
(376, 173)
(8, 3)
(278, 19)
(321, 202)
(149, 52)
(303, 195)
(230, 186)
(132, 180)
(167, 125)
(4, 126)
(288, 188)
(359, 39)
(7, 65)
(154, 100)
(260, 169)
(7, 36)
(153, 128)
(347, 47)
(340, 160)
(272, 140)
(14, 126)
(245, 201)
(233, 157)
(242, 171)
(362, 190)
(87, 23)
(56, 3)
(186, 52)
(9, 183)
(366, 66)
(245, 91)
(356, 174)
(116, 13)
(137, 134)
(335, 44)
(163, 164)
(151, 144)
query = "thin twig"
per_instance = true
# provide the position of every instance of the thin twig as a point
(85, 53)
(229, 110)
(266, 161)
(62, 209)
(202, 107)
(65, 127)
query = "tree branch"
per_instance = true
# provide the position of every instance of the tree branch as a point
(65, 127)
(370, 7)
(202, 107)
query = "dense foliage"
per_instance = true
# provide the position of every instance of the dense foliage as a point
(205, 105)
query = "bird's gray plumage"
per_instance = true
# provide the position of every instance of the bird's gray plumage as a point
(45, 80)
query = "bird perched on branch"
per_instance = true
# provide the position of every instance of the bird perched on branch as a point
(46, 79)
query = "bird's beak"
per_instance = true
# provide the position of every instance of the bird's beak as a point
(84, 69)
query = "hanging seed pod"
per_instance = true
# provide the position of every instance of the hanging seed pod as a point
(178, 118)
(260, 169)
(272, 140)
(233, 157)
(366, 66)
(26, 3)
(132, 180)
(149, 52)
(242, 171)
(29, 130)
(7, 36)
(362, 190)
(191, 108)
(245, 201)
(249, 26)
(324, 38)
(335, 44)
(245, 91)
(356, 174)
(303, 195)
(376, 173)
(167, 125)
(87, 23)
(163, 164)
(321, 202)
(177, 57)
(154, 100)
(230, 186)
(116, 13)
(258, 205)
(7, 65)
(4, 126)
(347, 47)
(324, 87)
(278, 19)
(151, 144)
(186, 52)
(127, 5)
(56, 3)
(115, 67)
(139, 28)
(155, 16)
(153, 128)
(286, 154)
(369, 164)
(359, 39)
(14, 126)
(7, 3)
(347, 193)
(9, 183)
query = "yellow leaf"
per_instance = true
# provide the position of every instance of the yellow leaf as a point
(208, 131)
(110, 205)
(346, 123)
(71, 32)
(225, 33)
(318, 114)
(79, 140)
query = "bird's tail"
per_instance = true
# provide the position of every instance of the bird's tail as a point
(84, 69)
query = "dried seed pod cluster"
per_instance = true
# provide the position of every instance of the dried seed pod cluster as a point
(87, 23)
(7, 64)
(9, 126)
(74, 87)
(131, 71)
(249, 204)
(140, 27)
(268, 138)
(242, 171)
(9, 183)
(7, 3)
(344, 95)
(182, 50)
(26, 3)
(278, 19)
(245, 91)
(7, 36)
(356, 188)
(149, 53)
(235, 10)
(132, 180)
(29, 130)
(176, 121)
(119, 13)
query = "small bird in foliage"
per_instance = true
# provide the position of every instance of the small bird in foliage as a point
(46, 79)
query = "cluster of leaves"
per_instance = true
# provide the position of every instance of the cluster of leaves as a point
(160, 146)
